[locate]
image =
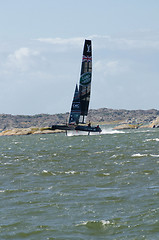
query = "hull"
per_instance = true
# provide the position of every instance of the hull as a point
(63, 127)
(88, 128)
(77, 128)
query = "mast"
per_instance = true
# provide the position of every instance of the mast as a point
(85, 79)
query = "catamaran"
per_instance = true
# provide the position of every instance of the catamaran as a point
(81, 99)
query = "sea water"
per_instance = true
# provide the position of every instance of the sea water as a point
(103, 186)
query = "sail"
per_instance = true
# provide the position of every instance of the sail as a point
(85, 79)
(75, 108)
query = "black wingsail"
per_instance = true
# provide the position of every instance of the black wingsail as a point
(75, 108)
(85, 80)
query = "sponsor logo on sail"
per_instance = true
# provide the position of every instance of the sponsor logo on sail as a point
(76, 105)
(88, 48)
(85, 78)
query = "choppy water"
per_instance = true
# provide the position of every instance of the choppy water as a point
(80, 187)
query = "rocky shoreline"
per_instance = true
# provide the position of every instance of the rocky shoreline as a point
(28, 131)
(122, 119)
(35, 130)
(153, 124)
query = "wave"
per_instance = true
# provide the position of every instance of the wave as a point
(96, 225)
(139, 155)
(154, 155)
(144, 155)
(45, 172)
(153, 139)
(2, 191)
(69, 172)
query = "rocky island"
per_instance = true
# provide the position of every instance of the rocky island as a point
(41, 123)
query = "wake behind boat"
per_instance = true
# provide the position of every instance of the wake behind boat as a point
(81, 99)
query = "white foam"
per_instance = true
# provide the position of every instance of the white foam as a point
(156, 139)
(71, 172)
(43, 139)
(104, 131)
(111, 131)
(139, 155)
(106, 174)
(154, 155)
(76, 133)
(153, 139)
(99, 152)
(1, 191)
(102, 222)
(48, 172)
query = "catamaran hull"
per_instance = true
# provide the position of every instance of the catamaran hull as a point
(88, 129)
(62, 127)
(77, 128)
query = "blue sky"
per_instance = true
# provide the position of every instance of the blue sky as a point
(41, 49)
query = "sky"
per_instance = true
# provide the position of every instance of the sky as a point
(41, 45)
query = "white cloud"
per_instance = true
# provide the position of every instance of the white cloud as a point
(114, 67)
(139, 40)
(124, 43)
(135, 41)
(62, 41)
(21, 59)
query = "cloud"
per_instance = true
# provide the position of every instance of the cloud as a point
(112, 68)
(124, 43)
(22, 59)
(48, 66)
(62, 41)
(140, 40)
